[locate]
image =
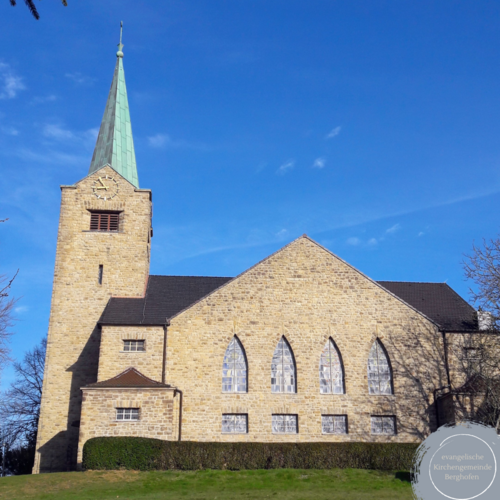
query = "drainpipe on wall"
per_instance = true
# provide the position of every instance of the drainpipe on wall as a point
(180, 412)
(446, 365)
(164, 364)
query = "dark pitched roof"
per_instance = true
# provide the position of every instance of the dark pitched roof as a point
(129, 378)
(438, 302)
(166, 296)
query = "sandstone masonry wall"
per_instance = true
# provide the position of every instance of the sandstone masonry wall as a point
(98, 417)
(78, 301)
(114, 360)
(308, 295)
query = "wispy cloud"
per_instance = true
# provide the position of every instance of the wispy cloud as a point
(42, 99)
(80, 79)
(372, 241)
(334, 132)
(11, 83)
(159, 140)
(10, 131)
(421, 233)
(285, 167)
(393, 229)
(319, 163)
(353, 241)
(57, 132)
(282, 233)
(20, 309)
(50, 157)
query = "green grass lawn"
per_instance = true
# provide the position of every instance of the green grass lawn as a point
(287, 484)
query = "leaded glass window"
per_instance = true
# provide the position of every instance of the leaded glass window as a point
(234, 368)
(334, 424)
(384, 425)
(285, 424)
(379, 371)
(283, 368)
(331, 377)
(127, 414)
(235, 423)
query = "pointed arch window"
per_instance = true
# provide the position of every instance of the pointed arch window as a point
(379, 370)
(283, 374)
(234, 368)
(331, 371)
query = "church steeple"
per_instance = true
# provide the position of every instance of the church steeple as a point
(115, 145)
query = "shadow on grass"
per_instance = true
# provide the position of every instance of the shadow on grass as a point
(404, 476)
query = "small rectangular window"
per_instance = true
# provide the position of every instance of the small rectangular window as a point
(235, 423)
(104, 221)
(134, 345)
(127, 414)
(334, 424)
(101, 269)
(383, 425)
(472, 353)
(285, 424)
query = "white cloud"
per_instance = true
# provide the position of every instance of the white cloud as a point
(393, 229)
(288, 165)
(319, 163)
(372, 241)
(56, 132)
(10, 131)
(421, 233)
(334, 132)
(353, 241)
(80, 79)
(59, 133)
(11, 83)
(282, 233)
(159, 140)
(20, 309)
(42, 99)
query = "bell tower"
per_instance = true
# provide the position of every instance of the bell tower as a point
(103, 249)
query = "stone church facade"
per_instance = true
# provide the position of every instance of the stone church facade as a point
(300, 347)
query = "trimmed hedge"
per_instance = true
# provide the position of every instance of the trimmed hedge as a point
(135, 453)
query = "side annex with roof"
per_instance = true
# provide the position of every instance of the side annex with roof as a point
(300, 347)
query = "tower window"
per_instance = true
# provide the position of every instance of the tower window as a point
(104, 221)
(101, 270)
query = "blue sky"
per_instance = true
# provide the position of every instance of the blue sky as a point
(371, 126)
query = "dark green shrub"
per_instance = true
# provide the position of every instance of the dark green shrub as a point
(152, 454)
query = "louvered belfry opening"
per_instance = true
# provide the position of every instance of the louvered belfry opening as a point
(105, 221)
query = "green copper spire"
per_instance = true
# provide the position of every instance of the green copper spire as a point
(115, 145)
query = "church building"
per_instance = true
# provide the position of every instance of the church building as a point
(300, 347)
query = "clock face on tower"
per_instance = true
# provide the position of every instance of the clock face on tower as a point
(105, 187)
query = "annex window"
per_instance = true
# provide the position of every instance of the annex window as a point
(285, 424)
(283, 375)
(334, 424)
(234, 423)
(127, 414)
(104, 221)
(234, 368)
(134, 345)
(383, 425)
(331, 373)
(379, 370)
